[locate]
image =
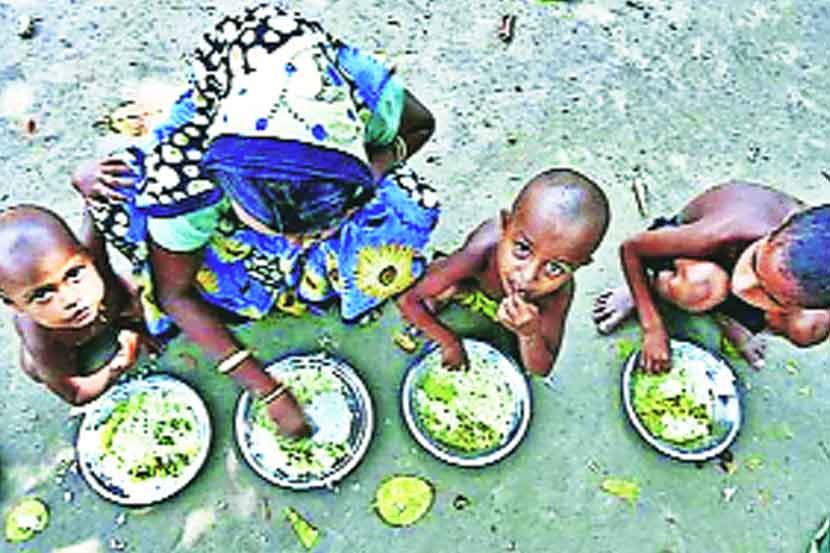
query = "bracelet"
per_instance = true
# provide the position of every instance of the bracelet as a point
(230, 363)
(401, 149)
(275, 393)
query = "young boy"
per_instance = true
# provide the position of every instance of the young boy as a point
(525, 259)
(757, 257)
(63, 293)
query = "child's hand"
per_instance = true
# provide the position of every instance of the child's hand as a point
(655, 357)
(101, 180)
(125, 358)
(453, 356)
(286, 413)
(520, 316)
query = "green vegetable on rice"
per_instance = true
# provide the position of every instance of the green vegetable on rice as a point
(149, 436)
(471, 411)
(303, 456)
(675, 406)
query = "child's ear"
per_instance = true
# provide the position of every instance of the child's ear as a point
(505, 217)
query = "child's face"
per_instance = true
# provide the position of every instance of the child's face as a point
(758, 279)
(63, 291)
(534, 258)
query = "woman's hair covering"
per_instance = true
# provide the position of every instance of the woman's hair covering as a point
(805, 239)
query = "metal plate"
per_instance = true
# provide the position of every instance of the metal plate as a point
(726, 405)
(112, 482)
(343, 416)
(517, 412)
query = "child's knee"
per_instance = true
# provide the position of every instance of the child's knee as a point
(808, 327)
(694, 285)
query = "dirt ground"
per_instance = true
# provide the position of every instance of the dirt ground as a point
(678, 94)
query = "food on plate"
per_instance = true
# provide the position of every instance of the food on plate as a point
(676, 406)
(314, 456)
(471, 411)
(148, 436)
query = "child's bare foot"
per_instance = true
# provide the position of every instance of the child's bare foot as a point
(611, 308)
(753, 351)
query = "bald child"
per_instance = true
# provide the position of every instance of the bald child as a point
(525, 260)
(63, 293)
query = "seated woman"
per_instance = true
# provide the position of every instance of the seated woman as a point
(276, 178)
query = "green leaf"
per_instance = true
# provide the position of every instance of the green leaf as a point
(26, 519)
(403, 500)
(307, 534)
(624, 489)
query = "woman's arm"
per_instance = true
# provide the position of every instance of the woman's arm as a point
(416, 127)
(173, 277)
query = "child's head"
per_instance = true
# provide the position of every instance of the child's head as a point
(789, 268)
(557, 221)
(693, 285)
(45, 273)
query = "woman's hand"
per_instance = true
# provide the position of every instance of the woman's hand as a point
(286, 413)
(102, 180)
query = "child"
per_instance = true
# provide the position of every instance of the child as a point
(525, 260)
(757, 256)
(63, 293)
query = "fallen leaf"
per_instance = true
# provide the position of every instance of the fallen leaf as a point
(754, 462)
(624, 489)
(307, 534)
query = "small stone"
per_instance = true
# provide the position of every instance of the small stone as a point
(67, 497)
(117, 545)
(25, 26)
(121, 519)
(460, 502)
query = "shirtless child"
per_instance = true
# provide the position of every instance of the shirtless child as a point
(524, 259)
(63, 293)
(755, 256)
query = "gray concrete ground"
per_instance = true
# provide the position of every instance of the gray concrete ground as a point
(679, 94)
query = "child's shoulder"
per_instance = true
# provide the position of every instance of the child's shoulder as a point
(484, 238)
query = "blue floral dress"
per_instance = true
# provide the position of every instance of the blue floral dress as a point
(276, 122)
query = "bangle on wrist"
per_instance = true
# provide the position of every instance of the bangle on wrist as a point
(275, 393)
(401, 149)
(232, 362)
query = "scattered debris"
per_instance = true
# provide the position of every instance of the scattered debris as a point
(26, 519)
(25, 26)
(805, 391)
(593, 466)
(265, 509)
(405, 340)
(792, 368)
(754, 463)
(121, 519)
(821, 540)
(460, 502)
(67, 497)
(624, 489)
(508, 27)
(117, 545)
(824, 449)
(640, 195)
(728, 493)
(307, 534)
(826, 175)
